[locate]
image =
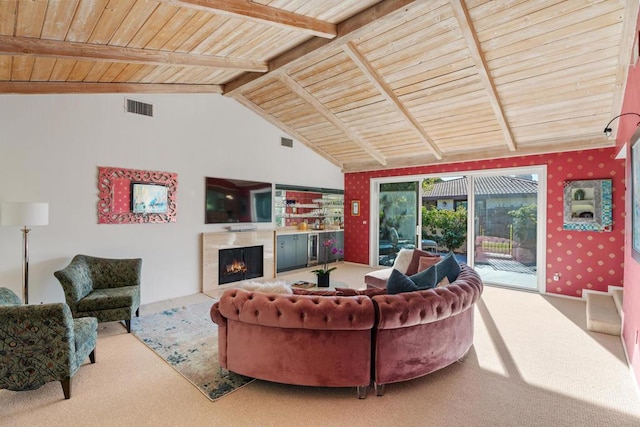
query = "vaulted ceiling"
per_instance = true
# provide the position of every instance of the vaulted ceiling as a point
(366, 84)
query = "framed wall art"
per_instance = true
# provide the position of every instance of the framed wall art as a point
(129, 196)
(355, 208)
(588, 205)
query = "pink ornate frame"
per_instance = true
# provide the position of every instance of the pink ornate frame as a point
(114, 206)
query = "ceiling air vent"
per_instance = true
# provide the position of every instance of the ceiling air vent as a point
(137, 107)
(286, 142)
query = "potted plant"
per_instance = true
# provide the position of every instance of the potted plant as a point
(324, 272)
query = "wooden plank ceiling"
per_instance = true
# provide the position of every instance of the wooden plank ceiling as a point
(366, 84)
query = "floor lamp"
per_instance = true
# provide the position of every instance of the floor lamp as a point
(24, 214)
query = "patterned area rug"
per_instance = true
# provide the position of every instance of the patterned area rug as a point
(187, 339)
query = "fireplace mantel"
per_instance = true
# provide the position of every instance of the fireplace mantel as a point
(214, 241)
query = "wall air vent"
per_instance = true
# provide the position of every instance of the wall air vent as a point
(137, 107)
(286, 142)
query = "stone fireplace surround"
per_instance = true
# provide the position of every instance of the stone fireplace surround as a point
(214, 241)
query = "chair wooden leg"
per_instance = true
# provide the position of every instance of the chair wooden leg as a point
(92, 356)
(379, 389)
(138, 312)
(66, 387)
(127, 323)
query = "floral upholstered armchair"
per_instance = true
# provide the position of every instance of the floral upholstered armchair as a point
(105, 288)
(42, 343)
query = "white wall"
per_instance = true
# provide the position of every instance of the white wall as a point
(50, 150)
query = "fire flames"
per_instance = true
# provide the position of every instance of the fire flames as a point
(236, 267)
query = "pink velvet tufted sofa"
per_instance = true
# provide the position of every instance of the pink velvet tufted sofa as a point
(331, 339)
(308, 339)
(419, 332)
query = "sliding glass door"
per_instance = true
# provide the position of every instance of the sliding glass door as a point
(397, 219)
(505, 229)
(493, 221)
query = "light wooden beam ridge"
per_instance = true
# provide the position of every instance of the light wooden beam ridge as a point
(356, 26)
(327, 114)
(292, 132)
(25, 46)
(91, 87)
(387, 92)
(263, 14)
(466, 27)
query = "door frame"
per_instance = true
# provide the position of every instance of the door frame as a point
(541, 247)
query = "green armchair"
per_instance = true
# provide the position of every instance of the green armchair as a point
(42, 343)
(105, 288)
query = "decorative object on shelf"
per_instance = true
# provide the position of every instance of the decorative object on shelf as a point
(588, 205)
(324, 272)
(578, 194)
(125, 196)
(24, 214)
(355, 208)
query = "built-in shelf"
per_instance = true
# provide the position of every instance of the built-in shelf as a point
(293, 206)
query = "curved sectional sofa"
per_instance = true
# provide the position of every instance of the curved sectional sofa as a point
(346, 338)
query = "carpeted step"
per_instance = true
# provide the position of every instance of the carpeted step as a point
(617, 298)
(602, 315)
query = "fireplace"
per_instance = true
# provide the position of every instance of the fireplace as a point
(236, 264)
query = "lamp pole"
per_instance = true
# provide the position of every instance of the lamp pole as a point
(25, 263)
(24, 214)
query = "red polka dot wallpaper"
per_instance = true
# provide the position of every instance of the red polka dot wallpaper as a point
(584, 259)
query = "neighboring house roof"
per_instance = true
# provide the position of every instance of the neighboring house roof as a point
(489, 185)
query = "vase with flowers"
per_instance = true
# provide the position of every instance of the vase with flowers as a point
(323, 273)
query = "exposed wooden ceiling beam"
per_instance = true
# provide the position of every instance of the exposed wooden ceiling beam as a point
(277, 123)
(263, 14)
(25, 46)
(387, 92)
(348, 30)
(466, 27)
(327, 114)
(90, 87)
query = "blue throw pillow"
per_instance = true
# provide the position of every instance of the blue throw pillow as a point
(399, 282)
(448, 267)
(425, 279)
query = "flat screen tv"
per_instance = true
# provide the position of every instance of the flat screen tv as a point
(229, 201)
(148, 198)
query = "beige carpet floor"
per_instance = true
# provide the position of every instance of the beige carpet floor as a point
(533, 364)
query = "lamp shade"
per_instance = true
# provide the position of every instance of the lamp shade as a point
(24, 214)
